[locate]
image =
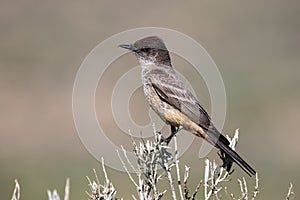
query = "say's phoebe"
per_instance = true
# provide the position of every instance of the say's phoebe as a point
(174, 103)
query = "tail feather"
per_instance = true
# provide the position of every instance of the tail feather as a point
(231, 156)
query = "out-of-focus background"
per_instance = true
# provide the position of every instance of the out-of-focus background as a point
(255, 44)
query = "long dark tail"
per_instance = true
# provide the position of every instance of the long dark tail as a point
(229, 156)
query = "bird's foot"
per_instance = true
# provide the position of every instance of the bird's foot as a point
(165, 140)
(162, 139)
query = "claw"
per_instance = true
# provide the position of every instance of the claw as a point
(166, 140)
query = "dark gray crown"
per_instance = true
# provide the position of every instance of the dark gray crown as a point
(152, 42)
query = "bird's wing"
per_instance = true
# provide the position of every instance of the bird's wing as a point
(173, 92)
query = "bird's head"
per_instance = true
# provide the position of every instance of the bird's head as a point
(151, 50)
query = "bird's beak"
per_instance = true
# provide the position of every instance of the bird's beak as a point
(128, 46)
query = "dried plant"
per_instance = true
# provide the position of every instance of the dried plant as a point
(154, 155)
(17, 191)
(155, 163)
(101, 192)
(53, 195)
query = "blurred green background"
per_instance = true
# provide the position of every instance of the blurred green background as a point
(255, 44)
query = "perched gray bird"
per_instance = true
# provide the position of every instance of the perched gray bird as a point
(174, 103)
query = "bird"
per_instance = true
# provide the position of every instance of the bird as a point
(168, 96)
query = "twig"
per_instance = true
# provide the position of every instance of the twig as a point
(290, 192)
(53, 195)
(17, 190)
(196, 190)
(185, 179)
(177, 168)
(206, 174)
(67, 189)
(104, 172)
(128, 173)
(169, 175)
(256, 191)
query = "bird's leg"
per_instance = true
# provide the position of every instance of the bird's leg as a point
(174, 130)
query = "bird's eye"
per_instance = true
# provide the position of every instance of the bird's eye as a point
(145, 49)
